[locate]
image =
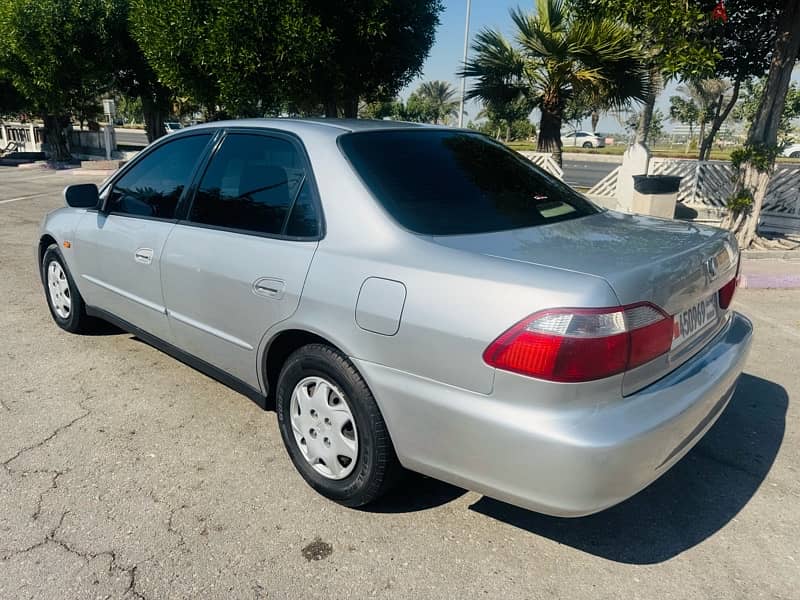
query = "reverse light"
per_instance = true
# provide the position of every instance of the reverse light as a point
(573, 345)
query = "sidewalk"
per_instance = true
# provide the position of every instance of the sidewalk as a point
(770, 273)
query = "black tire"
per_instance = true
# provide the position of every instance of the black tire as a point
(77, 321)
(794, 155)
(588, 145)
(377, 467)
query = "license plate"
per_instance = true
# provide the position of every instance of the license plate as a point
(694, 319)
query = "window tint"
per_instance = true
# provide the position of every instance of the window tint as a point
(153, 185)
(251, 184)
(303, 221)
(443, 183)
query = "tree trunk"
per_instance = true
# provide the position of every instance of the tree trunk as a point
(331, 110)
(646, 116)
(351, 108)
(54, 132)
(550, 132)
(701, 135)
(764, 128)
(719, 119)
(155, 110)
(596, 119)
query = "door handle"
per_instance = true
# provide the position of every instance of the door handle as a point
(143, 255)
(269, 287)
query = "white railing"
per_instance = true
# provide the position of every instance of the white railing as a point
(21, 137)
(546, 161)
(709, 184)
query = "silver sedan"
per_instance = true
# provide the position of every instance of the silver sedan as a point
(412, 297)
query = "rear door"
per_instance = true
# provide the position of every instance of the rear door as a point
(236, 264)
(118, 251)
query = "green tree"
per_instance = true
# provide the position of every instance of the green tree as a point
(755, 162)
(266, 56)
(747, 109)
(745, 42)
(557, 56)
(53, 52)
(674, 36)
(705, 99)
(374, 49)
(656, 129)
(684, 111)
(433, 102)
(232, 57)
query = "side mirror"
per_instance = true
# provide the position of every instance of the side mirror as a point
(82, 195)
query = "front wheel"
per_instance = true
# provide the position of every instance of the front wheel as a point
(587, 145)
(332, 427)
(63, 298)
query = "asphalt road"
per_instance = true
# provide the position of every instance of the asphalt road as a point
(126, 474)
(584, 173)
(131, 138)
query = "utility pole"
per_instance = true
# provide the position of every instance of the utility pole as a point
(464, 79)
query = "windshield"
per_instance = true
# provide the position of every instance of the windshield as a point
(437, 182)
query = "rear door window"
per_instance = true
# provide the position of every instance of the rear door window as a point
(437, 182)
(256, 183)
(153, 186)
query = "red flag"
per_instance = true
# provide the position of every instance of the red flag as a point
(719, 12)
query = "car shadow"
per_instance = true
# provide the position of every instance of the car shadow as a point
(691, 502)
(413, 493)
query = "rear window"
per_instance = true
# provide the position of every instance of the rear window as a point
(436, 182)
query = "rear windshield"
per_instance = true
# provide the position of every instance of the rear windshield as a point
(438, 182)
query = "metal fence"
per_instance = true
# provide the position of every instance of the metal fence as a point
(546, 161)
(21, 137)
(708, 185)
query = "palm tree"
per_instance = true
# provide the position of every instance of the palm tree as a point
(708, 95)
(440, 100)
(556, 57)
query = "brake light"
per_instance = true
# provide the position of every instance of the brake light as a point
(573, 345)
(726, 291)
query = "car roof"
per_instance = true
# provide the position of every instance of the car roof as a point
(316, 125)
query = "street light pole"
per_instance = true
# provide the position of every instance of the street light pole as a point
(464, 79)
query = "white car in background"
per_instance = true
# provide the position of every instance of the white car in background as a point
(792, 151)
(583, 139)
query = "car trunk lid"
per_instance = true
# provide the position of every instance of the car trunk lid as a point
(675, 265)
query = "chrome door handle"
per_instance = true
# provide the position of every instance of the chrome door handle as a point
(269, 287)
(143, 255)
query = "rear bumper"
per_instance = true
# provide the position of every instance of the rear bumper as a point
(565, 459)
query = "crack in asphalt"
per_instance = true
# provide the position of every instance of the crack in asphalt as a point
(85, 555)
(58, 430)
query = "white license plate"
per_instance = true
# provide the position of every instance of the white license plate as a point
(694, 319)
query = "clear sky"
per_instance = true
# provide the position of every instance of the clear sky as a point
(446, 55)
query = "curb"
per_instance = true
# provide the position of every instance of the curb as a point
(767, 254)
(767, 282)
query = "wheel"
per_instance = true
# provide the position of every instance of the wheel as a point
(794, 155)
(65, 302)
(332, 427)
(587, 145)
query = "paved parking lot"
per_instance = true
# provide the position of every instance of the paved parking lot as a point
(127, 474)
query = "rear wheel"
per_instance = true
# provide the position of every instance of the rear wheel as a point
(587, 145)
(795, 155)
(65, 302)
(332, 427)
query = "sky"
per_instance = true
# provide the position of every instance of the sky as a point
(446, 55)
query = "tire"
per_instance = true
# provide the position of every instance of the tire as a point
(374, 468)
(588, 145)
(794, 155)
(66, 306)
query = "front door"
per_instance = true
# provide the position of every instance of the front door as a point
(118, 251)
(237, 264)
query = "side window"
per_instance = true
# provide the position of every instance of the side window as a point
(252, 183)
(154, 185)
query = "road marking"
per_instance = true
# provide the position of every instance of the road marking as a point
(767, 319)
(27, 197)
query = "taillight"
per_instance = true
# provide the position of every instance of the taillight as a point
(726, 291)
(572, 345)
